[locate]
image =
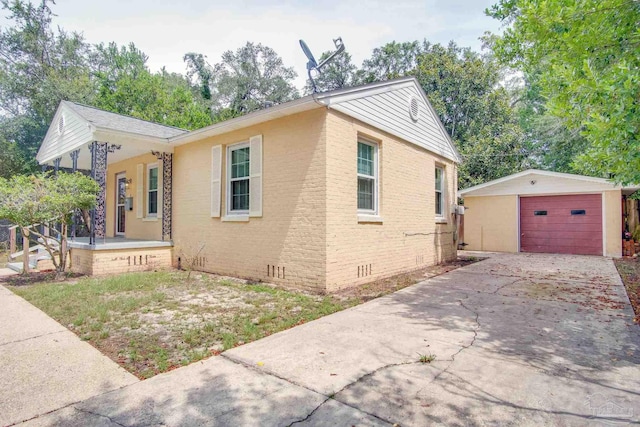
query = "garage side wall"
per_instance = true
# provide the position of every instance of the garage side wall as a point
(491, 223)
(613, 222)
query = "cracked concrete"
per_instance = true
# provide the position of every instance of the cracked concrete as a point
(519, 340)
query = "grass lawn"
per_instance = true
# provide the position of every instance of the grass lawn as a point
(629, 269)
(4, 256)
(153, 322)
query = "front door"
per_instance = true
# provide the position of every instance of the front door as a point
(121, 195)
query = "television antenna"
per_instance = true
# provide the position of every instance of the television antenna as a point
(313, 65)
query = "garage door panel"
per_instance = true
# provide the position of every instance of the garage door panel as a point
(556, 230)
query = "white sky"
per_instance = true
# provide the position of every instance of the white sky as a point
(167, 29)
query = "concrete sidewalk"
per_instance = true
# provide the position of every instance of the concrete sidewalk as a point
(518, 340)
(44, 366)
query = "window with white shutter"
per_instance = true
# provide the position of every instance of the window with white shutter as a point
(216, 177)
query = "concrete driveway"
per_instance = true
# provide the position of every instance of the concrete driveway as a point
(517, 339)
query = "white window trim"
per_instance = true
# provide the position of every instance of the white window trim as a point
(376, 179)
(442, 217)
(228, 212)
(157, 190)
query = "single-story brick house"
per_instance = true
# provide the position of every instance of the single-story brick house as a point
(548, 212)
(324, 192)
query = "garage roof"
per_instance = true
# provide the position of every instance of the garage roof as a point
(539, 182)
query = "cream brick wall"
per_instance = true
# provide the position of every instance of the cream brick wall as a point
(291, 234)
(135, 228)
(612, 201)
(409, 237)
(491, 223)
(118, 261)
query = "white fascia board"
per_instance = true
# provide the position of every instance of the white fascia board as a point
(527, 172)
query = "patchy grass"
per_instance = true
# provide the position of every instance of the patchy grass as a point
(629, 270)
(426, 358)
(4, 256)
(153, 322)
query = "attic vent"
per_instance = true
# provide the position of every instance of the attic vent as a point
(414, 108)
(61, 125)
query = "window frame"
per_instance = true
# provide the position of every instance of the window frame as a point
(151, 166)
(376, 177)
(228, 202)
(440, 217)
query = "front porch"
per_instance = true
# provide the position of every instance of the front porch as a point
(117, 255)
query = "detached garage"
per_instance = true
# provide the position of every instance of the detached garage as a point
(548, 212)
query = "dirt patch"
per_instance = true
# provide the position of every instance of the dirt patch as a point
(629, 270)
(36, 277)
(391, 284)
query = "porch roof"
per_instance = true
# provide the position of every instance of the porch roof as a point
(75, 126)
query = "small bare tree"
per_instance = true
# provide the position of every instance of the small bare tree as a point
(190, 257)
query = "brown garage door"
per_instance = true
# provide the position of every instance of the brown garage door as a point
(561, 224)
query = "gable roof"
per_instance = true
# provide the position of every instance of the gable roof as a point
(118, 122)
(388, 106)
(536, 181)
(384, 105)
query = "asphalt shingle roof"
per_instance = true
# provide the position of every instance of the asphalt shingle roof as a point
(108, 120)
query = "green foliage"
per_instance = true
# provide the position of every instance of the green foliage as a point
(43, 198)
(390, 61)
(337, 74)
(464, 89)
(584, 56)
(251, 78)
(26, 200)
(126, 86)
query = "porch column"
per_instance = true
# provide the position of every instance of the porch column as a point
(56, 164)
(74, 160)
(74, 167)
(167, 192)
(99, 174)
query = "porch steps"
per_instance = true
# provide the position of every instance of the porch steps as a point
(41, 255)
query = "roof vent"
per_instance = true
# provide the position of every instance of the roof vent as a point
(414, 108)
(61, 125)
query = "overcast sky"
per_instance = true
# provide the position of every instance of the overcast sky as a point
(167, 29)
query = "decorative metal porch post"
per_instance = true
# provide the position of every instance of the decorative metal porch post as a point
(56, 164)
(99, 174)
(99, 152)
(167, 192)
(74, 167)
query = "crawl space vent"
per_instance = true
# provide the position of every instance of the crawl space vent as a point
(61, 125)
(414, 108)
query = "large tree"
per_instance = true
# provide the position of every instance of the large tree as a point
(464, 88)
(337, 74)
(584, 54)
(39, 66)
(125, 85)
(251, 78)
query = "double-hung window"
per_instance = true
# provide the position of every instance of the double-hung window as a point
(439, 192)
(367, 177)
(152, 190)
(238, 167)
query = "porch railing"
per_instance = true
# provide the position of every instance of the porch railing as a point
(19, 244)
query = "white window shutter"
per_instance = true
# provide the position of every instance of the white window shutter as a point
(216, 177)
(255, 176)
(139, 190)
